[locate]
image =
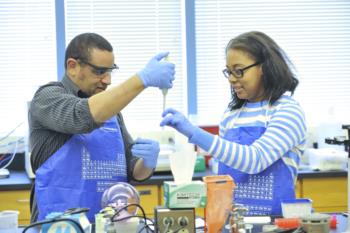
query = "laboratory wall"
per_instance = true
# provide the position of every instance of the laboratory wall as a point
(314, 34)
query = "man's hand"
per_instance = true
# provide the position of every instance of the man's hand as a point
(148, 150)
(158, 73)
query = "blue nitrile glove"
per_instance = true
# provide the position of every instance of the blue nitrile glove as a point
(148, 150)
(158, 73)
(178, 121)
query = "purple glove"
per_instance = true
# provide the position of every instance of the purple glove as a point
(178, 121)
(148, 150)
(158, 73)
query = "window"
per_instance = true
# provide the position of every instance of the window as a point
(315, 34)
(137, 31)
(28, 56)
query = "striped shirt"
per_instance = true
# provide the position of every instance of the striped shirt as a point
(284, 138)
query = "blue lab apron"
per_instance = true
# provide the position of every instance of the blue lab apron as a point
(261, 193)
(78, 173)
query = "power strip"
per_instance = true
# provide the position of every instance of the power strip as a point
(174, 220)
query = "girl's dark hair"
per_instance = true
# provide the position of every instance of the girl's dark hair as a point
(81, 45)
(278, 76)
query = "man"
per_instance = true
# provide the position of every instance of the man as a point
(78, 139)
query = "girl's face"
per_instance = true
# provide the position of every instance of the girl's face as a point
(250, 85)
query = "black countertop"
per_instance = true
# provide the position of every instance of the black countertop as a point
(19, 180)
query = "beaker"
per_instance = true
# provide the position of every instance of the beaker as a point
(8, 221)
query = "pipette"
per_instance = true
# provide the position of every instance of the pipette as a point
(165, 90)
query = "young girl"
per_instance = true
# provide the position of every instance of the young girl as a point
(262, 132)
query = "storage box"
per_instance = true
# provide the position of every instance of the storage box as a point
(200, 164)
(296, 208)
(189, 195)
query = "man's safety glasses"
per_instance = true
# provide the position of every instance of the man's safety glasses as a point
(238, 73)
(99, 70)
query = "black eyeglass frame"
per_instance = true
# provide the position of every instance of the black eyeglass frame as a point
(238, 73)
(99, 70)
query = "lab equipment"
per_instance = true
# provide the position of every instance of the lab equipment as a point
(296, 207)
(174, 220)
(164, 92)
(269, 228)
(347, 148)
(119, 208)
(316, 223)
(329, 128)
(73, 220)
(153, 75)
(8, 221)
(287, 223)
(119, 196)
(326, 159)
(237, 224)
(77, 215)
(10, 145)
(146, 149)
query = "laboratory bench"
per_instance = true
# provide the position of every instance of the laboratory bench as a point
(327, 190)
(257, 228)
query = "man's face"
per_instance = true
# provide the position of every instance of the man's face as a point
(94, 75)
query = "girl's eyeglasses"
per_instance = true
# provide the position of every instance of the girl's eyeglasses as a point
(238, 73)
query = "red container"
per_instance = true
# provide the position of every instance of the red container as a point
(287, 223)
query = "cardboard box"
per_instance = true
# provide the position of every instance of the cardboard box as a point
(189, 195)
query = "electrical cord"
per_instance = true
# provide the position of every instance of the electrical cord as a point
(167, 227)
(146, 226)
(2, 159)
(8, 158)
(179, 229)
(13, 130)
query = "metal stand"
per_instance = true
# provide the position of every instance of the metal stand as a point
(348, 229)
(347, 148)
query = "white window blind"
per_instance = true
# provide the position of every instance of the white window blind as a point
(137, 31)
(315, 34)
(28, 56)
